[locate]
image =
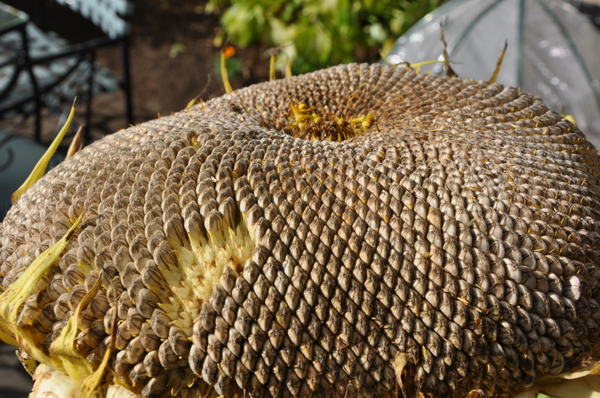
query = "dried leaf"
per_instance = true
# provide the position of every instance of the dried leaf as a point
(12, 299)
(95, 385)
(288, 67)
(28, 363)
(272, 75)
(63, 348)
(449, 71)
(40, 168)
(224, 74)
(499, 63)
(75, 144)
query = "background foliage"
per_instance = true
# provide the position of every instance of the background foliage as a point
(319, 33)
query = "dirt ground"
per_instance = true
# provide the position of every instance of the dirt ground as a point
(162, 83)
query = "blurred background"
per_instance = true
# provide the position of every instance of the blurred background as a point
(552, 50)
(174, 45)
(137, 59)
(140, 59)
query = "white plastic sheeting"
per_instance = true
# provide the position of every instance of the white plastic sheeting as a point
(553, 51)
(108, 15)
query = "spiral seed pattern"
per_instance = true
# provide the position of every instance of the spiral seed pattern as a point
(304, 237)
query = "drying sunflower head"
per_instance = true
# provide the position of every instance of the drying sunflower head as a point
(360, 231)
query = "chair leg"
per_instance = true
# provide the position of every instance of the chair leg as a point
(38, 119)
(87, 136)
(36, 90)
(127, 79)
(39, 14)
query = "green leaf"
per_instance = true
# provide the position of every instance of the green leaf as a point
(396, 22)
(324, 32)
(176, 48)
(281, 33)
(377, 33)
(244, 22)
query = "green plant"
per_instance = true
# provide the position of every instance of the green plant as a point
(234, 66)
(318, 33)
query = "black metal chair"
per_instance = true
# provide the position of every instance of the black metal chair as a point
(18, 157)
(45, 70)
(589, 8)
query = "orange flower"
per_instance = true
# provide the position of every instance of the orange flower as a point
(228, 51)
